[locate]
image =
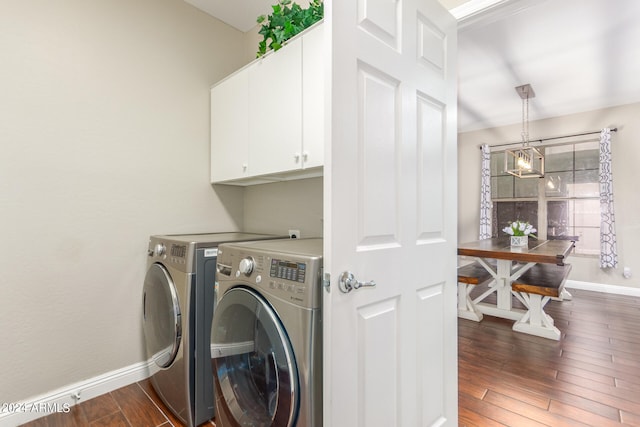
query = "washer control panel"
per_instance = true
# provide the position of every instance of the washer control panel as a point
(291, 277)
(289, 270)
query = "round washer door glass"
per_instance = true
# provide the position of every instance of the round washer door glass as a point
(254, 367)
(161, 316)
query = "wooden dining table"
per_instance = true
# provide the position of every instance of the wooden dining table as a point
(507, 264)
(538, 251)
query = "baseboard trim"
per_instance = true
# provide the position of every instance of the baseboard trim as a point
(601, 287)
(62, 399)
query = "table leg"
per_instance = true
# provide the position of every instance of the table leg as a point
(503, 292)
(536, 321)
(501, 285)
(466, 307)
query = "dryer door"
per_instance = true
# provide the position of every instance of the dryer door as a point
(161, 316)
(255, 372)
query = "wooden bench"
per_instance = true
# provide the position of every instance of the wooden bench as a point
(468, 276)
(534, 288)
(473, 274)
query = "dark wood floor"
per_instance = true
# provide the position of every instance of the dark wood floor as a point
(591, 377)
(136, 405)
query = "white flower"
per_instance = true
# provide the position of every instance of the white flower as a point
(519, 228)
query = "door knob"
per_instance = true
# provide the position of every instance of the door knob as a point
(348, 282)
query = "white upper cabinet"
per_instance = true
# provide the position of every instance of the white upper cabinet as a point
(313, 98)
(267, 120)
(275, 111)
(230, 128)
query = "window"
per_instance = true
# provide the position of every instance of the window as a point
(563, 205)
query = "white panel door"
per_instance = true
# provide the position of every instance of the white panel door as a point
(390, 214)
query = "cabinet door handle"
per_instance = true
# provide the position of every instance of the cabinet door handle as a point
(296, 157)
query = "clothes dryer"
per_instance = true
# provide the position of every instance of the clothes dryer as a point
(266, 342)
(178, 301)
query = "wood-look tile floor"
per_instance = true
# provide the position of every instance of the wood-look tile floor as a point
(591, 377)
(136, 405)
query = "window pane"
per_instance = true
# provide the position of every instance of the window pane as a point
(502, 187)
(558, 159)
(558, 214)
(526, 187)
(510, 163)
(558, 184)
(575, 219)
(506, 212)
(586, 213)
(497, 164)
(586, 184)
(587, 155)
(588, 242)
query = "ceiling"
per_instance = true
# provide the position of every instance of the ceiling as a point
(578, 55)
(241, 14)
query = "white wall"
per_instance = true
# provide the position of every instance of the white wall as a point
(104, 138)
(625, 157)
(278, 207)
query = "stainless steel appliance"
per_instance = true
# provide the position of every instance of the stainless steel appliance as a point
(266, 341)
(178, 303)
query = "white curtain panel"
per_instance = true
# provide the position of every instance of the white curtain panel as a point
(485, 194)
(608, 250)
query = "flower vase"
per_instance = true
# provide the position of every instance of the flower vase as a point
(519, 241)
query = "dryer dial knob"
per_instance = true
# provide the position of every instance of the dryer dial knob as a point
(246, 266)
(159, 250)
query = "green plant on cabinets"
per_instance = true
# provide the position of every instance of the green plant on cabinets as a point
(287, 20)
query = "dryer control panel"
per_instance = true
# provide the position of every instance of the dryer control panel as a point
(179, 255)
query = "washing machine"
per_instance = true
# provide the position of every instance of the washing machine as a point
(266, 342)
(178, 304)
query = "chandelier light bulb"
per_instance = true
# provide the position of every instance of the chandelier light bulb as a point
(523, 161)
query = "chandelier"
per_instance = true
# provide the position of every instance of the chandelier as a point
(526, 161)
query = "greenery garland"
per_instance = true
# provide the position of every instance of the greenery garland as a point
(287, 20)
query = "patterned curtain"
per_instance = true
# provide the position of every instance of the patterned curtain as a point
(608, 251)
(485, 194)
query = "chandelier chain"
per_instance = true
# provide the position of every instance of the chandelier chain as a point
(527, 161)
(525, 121)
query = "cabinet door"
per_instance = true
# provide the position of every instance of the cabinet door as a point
(275, 117)
(230, 128)
(313, 98)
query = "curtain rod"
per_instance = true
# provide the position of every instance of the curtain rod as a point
(540, 140)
